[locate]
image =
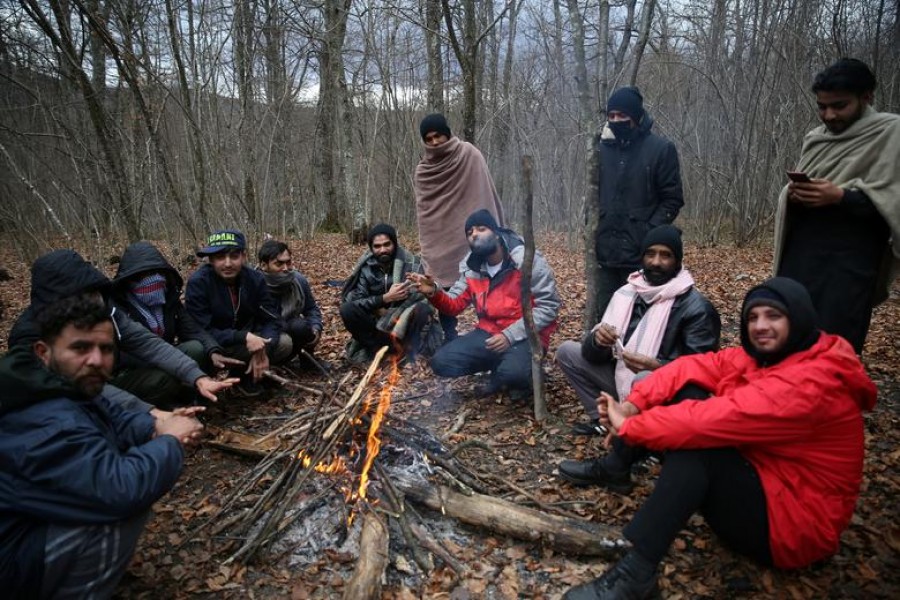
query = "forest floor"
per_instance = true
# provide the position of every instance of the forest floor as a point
(514, 447)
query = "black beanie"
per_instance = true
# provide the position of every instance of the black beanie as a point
(763, 296)
(666, 235)
(382, 229)
(481, 217)
(434, 122)
(627, 100)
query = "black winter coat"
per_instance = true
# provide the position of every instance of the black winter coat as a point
(640, 188)
(369, 282)
(141, 258)
(693, 328)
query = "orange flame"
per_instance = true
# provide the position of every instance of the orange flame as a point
(337, 464)
(373, 442)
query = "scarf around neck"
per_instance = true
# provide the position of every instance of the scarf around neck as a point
(648, 335)
(286, 288)
(148, 296)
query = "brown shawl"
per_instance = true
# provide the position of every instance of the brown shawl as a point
(452, 181)
(864, 157)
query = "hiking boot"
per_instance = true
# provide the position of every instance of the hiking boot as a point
(618, 583)
(519, 395)
(593, 472)
(590, 428)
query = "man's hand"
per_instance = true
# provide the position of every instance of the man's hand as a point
(209, 387)
(256, 343)
(605, 335)
(424, 283)
(187, 430)
(398, 292)
(613, 413)
(220, 361)
(637, 362)
(497, 343)
(816, 193)
(259, 364)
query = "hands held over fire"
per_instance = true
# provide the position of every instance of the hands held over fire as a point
(182, 424)
(425, 284)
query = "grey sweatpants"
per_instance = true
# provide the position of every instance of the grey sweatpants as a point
(88, 561)
(587, 378)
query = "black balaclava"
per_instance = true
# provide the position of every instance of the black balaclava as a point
(670, 237)
(384, 229)
(434, 122)
(791, 298)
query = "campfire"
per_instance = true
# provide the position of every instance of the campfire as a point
(343, 476)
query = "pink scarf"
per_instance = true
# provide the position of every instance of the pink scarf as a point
(452, 181)
(648, 334)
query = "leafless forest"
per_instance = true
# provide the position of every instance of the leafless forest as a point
(164, 118)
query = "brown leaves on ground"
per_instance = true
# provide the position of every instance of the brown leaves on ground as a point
(511, 447)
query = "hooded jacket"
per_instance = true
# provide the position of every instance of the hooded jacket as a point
(64, 273)
(797, 419)
(369, 282)
(68, 459)
(498, 300)
(142, 258)
(208, 301)
(640, 188)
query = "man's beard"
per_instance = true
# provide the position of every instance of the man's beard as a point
(658, 277)
(89, 381)
(384, 260)
(484, 246)
(841, 125)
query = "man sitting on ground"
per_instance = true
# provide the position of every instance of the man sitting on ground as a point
(491, 282)
(773, 459)
(148, 289)
(232, 302)
(379, 306)
(78, 474)
(64, 273)
(299, 309)
(653, 319)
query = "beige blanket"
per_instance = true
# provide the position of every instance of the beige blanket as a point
(452, 181)
(865, 157)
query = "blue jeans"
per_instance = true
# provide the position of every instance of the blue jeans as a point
(467, 354)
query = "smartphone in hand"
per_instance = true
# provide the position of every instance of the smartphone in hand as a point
(798, 177)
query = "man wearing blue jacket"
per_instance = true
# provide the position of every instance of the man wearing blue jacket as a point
(233, 303)
(78, 473)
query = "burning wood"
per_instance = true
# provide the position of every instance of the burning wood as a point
(371, 461)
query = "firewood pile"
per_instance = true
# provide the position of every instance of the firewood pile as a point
(342, 476)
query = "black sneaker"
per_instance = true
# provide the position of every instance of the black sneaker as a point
(592, 472)
(589, 428)
(248, 388)
(618, 583)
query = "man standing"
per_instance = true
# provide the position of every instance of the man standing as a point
(832, 230)
(491, 281)
(653, 319)
(451, 181)
(773, 459)
(232, 302)
(299, 309)
(379, 306)
(640, 188)
(78, 473)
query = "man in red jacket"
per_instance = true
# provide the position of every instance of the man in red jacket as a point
(773, 459)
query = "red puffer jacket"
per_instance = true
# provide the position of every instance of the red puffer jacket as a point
(798, 422)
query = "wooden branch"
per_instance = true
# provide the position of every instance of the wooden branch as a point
(365, 583)
(357, 393)
(559, 533)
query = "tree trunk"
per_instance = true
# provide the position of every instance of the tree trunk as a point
(435, 60)
(643, 36)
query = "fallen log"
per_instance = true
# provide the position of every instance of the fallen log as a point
(567, 535)
(365, 583)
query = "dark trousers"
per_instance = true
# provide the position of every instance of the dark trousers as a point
(719, 483)
(362, 326)
(448, 324)
(610, 279)
(302, 334)
(155, 386)
(467, 354)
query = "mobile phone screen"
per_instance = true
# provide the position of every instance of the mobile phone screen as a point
(798, 177)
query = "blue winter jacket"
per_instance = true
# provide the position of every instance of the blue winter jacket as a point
(69, 460)
(208, 300)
